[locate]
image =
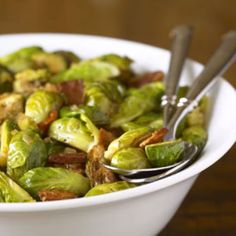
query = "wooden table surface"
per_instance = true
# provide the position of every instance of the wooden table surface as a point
(210, 207)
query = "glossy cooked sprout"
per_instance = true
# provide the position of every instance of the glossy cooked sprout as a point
(62, 117)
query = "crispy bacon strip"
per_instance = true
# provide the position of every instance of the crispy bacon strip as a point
(68, 158)
(147, 78)
(55, 194)
(105, 137)
(155, 137)
(45, 124)
(74, 91)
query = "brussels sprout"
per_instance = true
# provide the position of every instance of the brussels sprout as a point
(130, 158)
(165, 153)
(68, 56)
(7, 129)
(122, 63)
(28, 81)
(20, 59)
(139, 102)
(93, 113)
(53, 146)
(89, 71)
(78, 133)
(6, 80)
(152, 120)
(109, 188)
(55, 63)
(49, 178)
(26, 151)
(25, 123)
(10, 105)
(196, 135)
(41, 103)
(12, 192)
(110, 88)
(128, 139)
(96, 98)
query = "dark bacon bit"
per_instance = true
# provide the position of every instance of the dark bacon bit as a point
(96, 172)
(55, 194)
(74, 91)
(155, 137)
(105, 137)
(147, 78)
(67, 158)
(45, 124)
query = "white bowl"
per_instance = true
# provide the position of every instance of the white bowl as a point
(144, 210)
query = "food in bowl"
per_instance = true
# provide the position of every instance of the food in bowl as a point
(62, 117)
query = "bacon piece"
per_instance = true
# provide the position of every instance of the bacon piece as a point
(55, 194)
(105, 137)
(155, 137)
(96, 172)
(45, 124)
(68, 158)
(146, 79)
(74, 91)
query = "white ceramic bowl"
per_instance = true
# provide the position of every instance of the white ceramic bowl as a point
(144, 210)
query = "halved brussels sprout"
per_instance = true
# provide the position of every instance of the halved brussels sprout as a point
(55, 63)
(41, 103)
(7, 129)
(10, 105)
(20, 59)
(196, 135)
(49, 178)
(165, 153)
(26, 151)
(128, 139)
(138, 102)
(93, 113)
(109, 188)
(78, 133)
(25, 123)
(68, 56)
(122, 63)
(130, 158)
(28, 81)
(6, 80)
(12, 192)
(89, 71)
(152, 120)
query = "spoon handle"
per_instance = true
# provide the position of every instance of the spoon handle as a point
(181, 37)
(223, 57)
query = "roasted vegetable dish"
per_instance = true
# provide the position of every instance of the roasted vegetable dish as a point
(62, 117)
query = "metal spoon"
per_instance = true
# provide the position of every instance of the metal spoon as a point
(218, 63)
(181, 37)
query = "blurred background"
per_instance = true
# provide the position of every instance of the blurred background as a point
(210, 207)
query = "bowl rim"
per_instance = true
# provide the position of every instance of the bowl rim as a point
(123, 195)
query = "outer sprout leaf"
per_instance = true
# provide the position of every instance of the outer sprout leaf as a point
(12, 192)
(139, 102)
